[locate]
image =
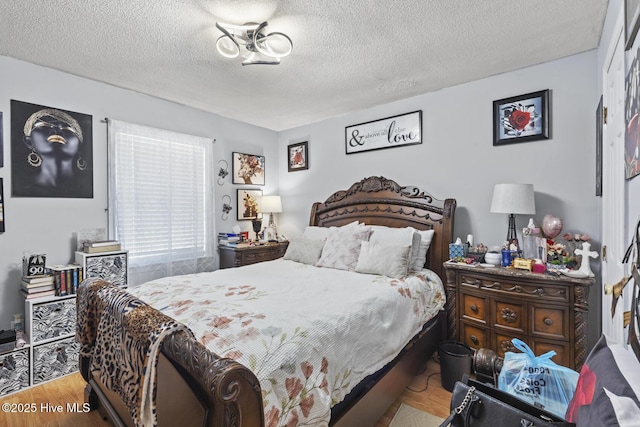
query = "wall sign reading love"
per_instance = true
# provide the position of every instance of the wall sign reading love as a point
(405, 129)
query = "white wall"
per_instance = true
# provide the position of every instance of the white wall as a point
(46, 225)
(457, 158)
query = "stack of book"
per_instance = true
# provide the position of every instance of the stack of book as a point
(101, 246)
(37, 286)
(67, 278)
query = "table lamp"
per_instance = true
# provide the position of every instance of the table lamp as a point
(513, 199)
(271, 205)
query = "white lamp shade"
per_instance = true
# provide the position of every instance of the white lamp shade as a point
(513, 199)
(270, 204)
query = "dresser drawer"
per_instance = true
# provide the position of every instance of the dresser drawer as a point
(550, 322)
(502, 342)
(14, 371)
(252, 257)
(474, 307)
(54, 359)
(511, 315)
(53, 319)
(474, 336)
(562, 350)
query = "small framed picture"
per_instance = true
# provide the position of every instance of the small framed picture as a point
(298, 156)
(247, 204)
(521, 118)
(248, 169)
(1, 207)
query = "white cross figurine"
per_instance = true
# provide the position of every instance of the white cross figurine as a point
(586, 253)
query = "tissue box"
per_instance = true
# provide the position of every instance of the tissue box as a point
(457, 250)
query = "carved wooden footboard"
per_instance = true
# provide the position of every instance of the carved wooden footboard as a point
(195, 387)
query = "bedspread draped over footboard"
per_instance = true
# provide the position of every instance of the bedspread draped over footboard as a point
(122, 335)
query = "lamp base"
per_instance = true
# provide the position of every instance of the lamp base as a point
(512, 236)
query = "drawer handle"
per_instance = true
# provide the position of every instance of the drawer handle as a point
(548, 321)
(474, 339)
(474, 308)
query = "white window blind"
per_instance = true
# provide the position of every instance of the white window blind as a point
(161, 200)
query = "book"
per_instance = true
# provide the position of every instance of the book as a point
(100, 249)
(34, 280)
(101, 243)
(48, 293)
(67, 278)
(38, 288)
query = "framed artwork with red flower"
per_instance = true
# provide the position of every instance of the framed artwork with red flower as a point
(521, 118)
(298, 156)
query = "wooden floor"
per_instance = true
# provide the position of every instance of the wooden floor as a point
(59, 403)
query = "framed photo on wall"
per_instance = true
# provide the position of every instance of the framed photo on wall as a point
(632, 23)
(248, 169)
(298, 156)
(599, 121)
(521, 118)
(1, 206)
(390, 132)
(1, 142)
(247, 204)
(632, 121)
(51, 152)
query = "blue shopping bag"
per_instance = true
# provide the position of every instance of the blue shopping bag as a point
(537, 379)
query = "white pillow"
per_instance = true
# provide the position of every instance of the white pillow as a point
(321, 233)
(390, 236)
(342, 247)
(417, 262)
(386, 260)
(306, 251)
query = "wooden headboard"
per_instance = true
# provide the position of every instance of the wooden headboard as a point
(380, 201)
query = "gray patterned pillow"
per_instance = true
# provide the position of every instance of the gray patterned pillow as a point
(342, 248)
(386, 260)
(306, 251)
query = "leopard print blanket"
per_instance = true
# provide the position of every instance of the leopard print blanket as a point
(123, 335)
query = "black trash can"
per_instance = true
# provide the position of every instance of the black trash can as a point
(456, 360)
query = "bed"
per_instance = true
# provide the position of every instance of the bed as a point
(195, 385)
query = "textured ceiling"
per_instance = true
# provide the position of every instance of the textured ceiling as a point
(347, 55)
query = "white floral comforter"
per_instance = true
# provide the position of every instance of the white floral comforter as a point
(309, 334)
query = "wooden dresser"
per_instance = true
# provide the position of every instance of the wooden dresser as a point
(487, 307)
(237, 257)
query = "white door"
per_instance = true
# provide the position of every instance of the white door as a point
(614, 207)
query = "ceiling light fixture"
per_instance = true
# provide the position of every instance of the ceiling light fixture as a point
(252, 43)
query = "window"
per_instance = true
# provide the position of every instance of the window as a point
(161, 200)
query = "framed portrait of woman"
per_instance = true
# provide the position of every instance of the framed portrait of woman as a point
(51, 152)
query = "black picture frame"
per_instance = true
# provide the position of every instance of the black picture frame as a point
(632, 23)
(2, 214)
(395, 131)
(247, 203)
(1, 141)
(599, 122)
(248, 169)
(522, 118)
(37, 173)
(298, 156)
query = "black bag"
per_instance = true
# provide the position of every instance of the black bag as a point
(476, 404)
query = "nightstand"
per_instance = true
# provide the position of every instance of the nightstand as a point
(487, 307)
(237, 257)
